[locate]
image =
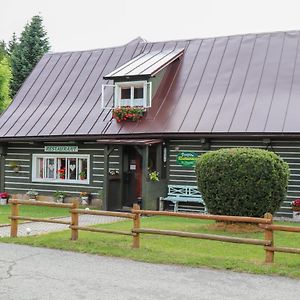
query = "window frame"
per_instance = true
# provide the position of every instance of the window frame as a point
(56, 156)
(132, 85)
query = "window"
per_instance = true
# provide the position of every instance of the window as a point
(132, 93)
(60, 168)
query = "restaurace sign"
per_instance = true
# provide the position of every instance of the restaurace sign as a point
(187, 159)
(61, 149)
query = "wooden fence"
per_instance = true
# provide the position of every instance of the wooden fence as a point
(265, 223)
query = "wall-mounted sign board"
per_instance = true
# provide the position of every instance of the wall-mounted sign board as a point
(187, 159)
(61, 148)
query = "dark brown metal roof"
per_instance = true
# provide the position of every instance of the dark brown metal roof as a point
(146, 64)
(245, 84)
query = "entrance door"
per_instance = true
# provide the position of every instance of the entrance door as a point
(132, 176)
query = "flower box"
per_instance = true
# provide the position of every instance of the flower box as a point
(128, 113)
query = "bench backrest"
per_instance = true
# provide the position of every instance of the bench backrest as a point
(183, 191)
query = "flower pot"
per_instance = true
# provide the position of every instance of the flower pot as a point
(60, 199)
(3, 201)
(296, 215)
(17, 169)
(84, 200)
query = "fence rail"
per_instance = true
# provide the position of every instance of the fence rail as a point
(265, 223)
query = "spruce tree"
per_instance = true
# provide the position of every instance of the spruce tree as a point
(33, 45)
(3, 51)
(12, 44)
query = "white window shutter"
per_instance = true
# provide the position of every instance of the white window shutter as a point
(108, 93)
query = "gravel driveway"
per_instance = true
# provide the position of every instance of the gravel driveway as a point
(40, 228)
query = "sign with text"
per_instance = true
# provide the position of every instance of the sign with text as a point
(61, 148)
(187, 159)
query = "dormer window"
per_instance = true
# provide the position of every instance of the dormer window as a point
(132, 94)
(133, 80)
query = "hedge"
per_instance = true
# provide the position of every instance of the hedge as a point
(242, 181)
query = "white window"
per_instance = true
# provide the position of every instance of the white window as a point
(133, 93)
(60, 168)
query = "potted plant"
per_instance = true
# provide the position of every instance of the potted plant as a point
(32, 194)
(4, 198)
(15, 167)
(82, 175)
(296, 209)
(153, 176)
(130, 113)
(60, 196)
(61, 173)
(84, 198)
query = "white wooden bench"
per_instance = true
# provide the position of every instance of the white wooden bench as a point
(183, 193)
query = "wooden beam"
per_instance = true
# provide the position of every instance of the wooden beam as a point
(204, 216)
(44, 220)
(283, 249)
(204, 236)
(281, 228)
(104, 213)
(41, 203)
(92, 229)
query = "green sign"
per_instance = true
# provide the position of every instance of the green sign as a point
(61, 149)
(187, 159)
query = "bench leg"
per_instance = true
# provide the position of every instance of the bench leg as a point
(175, 206)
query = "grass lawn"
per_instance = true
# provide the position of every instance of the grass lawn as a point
(32, 211)
(175, 250)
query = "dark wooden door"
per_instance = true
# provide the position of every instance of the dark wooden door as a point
(132, 177)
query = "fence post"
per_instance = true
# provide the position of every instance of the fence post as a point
(74, 222)
(14, 222)
(269, 235)
(136, 225)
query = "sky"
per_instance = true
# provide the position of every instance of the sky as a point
(90, 24)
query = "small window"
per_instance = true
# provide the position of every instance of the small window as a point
(138, 93)
(125, 93)
(135, 93)
(60, 168)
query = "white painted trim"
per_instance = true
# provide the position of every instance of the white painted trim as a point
(17, 159)
(50, 191)
(17, 177)
(133, 84)
(22, 166)
(20, 172)
(18, 153)
(102, 95)
(49, 184)
(35, 156)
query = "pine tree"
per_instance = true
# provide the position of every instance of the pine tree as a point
(33, 45)
(3, 51)
(12, 44)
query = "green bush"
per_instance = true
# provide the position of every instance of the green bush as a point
(242, 181)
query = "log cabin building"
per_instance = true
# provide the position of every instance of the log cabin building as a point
(100, 121)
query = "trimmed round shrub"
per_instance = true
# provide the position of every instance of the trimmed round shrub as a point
(242, 181)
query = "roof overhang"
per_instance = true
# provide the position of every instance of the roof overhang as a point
(137, 142)
(146, 64)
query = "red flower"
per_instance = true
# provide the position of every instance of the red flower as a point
(4, 195)
(296, 203)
